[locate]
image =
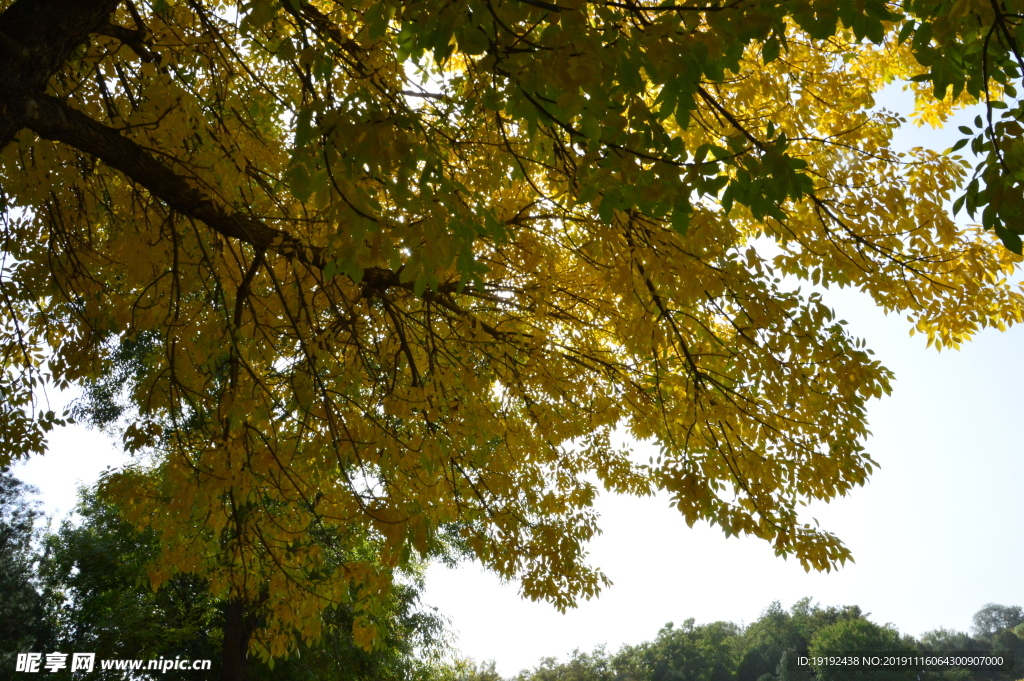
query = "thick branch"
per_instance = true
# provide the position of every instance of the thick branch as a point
(40, 36)
(53, 119)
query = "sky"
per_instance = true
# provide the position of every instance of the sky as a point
(935, 533)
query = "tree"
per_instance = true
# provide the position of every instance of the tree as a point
(994, 619)
(467, 670)
(767, 640)
(773, 642)
(851, 637)
(580, 666)
(945, 640)
(22, 614)
(102, 601)
(392, 268)
(707, 652)
(1010, 643)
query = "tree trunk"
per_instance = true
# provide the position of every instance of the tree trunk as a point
(36, 38)
(237, 630)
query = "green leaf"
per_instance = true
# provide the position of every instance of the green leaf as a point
(420, 285)
(609, 202)
(1010, 240)
(715, 184)
(958, 204)
(719, 153)
(299, 182)
(303, 127)
(590, 126)
(905, 32)
(377, 18)
(474, 41)
(681, 219)
(922, 37)
(727, 199)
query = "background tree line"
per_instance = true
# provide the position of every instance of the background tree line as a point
(766, 649)
(84, 587)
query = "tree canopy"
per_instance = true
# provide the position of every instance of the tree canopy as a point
(398, 269)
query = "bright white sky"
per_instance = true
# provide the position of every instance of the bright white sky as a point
(935, 534)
